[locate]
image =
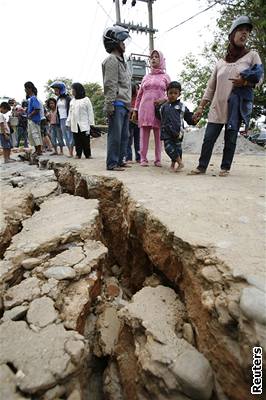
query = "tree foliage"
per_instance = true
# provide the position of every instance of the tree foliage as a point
(93, 90)
(197, 69)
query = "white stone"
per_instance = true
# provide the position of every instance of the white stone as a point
(41, 312)
(30, 263)
(60, 273)
(253, 304)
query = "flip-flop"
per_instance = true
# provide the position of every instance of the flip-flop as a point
(126, 166)
(196, 172)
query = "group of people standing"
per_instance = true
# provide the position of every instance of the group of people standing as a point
(63, 121)
(158, 107)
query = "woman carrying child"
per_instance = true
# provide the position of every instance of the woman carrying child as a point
(229, 73)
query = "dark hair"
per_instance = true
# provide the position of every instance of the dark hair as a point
(5, 105)
(174, 85)
(79, 89)
(30, 85)
(51, 99)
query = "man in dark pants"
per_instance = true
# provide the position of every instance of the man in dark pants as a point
(117, 90)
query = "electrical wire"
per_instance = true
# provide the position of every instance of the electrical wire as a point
(94, 59)
(193, 16)
(183, 22)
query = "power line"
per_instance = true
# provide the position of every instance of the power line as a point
(183, 22)
(106, 13)
(193, 16)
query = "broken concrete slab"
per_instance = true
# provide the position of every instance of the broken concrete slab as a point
(253, 304)
(68, 258)
(16, 205)
(161, 355)
(60, 273)
(15, 313)
(75, 301)
(45, 358)
(42, 312)
(27, 290)
(95, 255)
(72, 217)
(107, 329)
(8, 387)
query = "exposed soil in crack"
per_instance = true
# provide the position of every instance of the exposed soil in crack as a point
(121, 345)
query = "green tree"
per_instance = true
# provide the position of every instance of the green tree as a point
(197, 69)
(95, 92)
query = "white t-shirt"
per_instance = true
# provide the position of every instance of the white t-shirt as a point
(62, 108)
(3, 119)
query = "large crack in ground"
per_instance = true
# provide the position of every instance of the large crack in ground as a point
(157, 318)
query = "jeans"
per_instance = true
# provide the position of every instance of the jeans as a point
(117, 138)
(67, 134)
(56, 136)
(82, 143)
(133, 135)
(22, 134)
(212, 132)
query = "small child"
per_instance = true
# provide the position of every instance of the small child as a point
(5, 132)
(172, 114)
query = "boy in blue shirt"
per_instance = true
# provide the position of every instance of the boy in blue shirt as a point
(172, 115)
(34, 117)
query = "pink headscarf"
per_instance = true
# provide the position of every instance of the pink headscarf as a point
(162, 67)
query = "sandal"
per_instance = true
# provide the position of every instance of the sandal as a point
(144, 164)
(125, 165)
(197, 171)
(116, 169)
(157, 164)
(224, 172)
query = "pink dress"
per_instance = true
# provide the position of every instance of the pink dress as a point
(153, 87)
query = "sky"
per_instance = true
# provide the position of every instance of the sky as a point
(63, 38)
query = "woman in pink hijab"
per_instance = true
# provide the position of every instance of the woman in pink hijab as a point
(152, 89)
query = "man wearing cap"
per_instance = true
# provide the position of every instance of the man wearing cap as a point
(117, 91)
(227, 75)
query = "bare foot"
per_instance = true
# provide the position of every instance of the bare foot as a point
(179, 167)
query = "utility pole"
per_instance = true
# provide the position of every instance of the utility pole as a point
(117, 12)
(138, 27)
(151, 41)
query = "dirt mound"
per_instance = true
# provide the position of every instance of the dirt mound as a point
(193, 141)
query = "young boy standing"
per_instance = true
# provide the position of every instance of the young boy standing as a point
(173, 113)
(5, 132)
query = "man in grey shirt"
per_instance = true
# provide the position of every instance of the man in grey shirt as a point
(117, 91)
